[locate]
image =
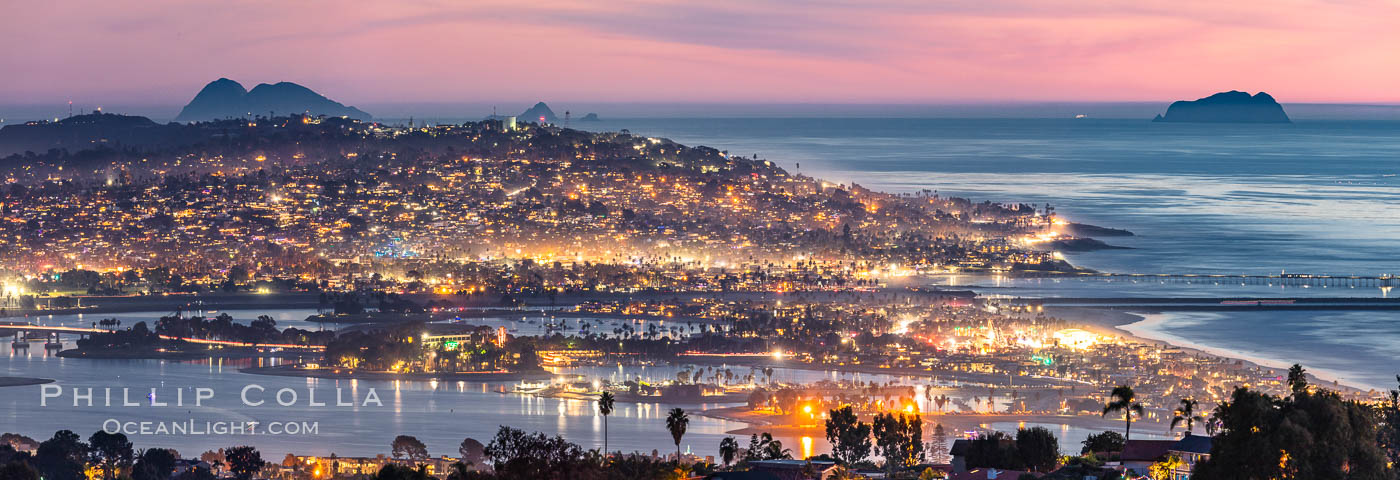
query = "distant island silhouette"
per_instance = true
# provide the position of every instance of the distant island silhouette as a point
(543, 114)
(1226, 107)
(224, 98)
(539, 112)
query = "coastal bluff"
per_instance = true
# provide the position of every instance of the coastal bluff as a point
(1226, 107)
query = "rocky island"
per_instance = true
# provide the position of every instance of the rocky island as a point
(224, 98)
(1226, 107)
(540, 112)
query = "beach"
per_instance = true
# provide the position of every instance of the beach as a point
(1136, 327)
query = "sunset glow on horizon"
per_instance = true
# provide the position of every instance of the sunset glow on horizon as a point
(726, 51)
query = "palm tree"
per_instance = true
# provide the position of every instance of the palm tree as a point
(605, 407)
(1213, 421)
(1185, 413)
(1297, 378)
(728, 447)
(1121, 400)
(677, 422)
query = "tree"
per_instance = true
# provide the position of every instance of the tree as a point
(605, 408)
(1389, 430)
(849, 437)
(18, 471)
(196, 474)
(472, 451)
(214, 459)
(1185, 413)
(62, 457)
(406, 446)
(1297, 378)
(154, 464)
(899, 439)
(400, 472)
(677, 422)
(938, 446)
(1309, 434)
(764, 447)
(787, 399)
(773, 449)
(1122, 399)
(110, 451)
(463, 471)
(755, 450)
(728, 447)
(243, 461)
(1108, 441)
(516, 454)
(1164, 469)
(1038, 449)
(994, 450)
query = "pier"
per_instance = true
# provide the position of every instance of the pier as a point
(1283, 279)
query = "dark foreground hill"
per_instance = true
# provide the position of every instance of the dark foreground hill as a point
(83, 132)
(107, 131)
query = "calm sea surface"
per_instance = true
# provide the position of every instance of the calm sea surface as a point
(1316, 196)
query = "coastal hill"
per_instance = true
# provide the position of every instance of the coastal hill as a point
(81, 132)
(224, 98)
(1226, 107)
(97, 135)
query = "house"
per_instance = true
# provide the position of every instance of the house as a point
(959, 454)
(183, 465)
(1191, 449)
(990, 474)
(746, 475)
(1139, 454)
(795, 469)
(962, 447)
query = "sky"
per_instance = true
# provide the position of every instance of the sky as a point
(815, 51)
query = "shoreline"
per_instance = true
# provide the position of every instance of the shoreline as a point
(1117, 323)
(128, 354)
(959, 377)
(292, 371)
(23, 381)
(951, 422)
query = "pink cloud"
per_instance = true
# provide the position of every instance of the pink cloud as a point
(637, 50)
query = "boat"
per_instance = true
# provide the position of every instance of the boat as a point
(527, 386)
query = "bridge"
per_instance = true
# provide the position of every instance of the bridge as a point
(21, 329)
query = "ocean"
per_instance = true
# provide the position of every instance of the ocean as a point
(1319, 196)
